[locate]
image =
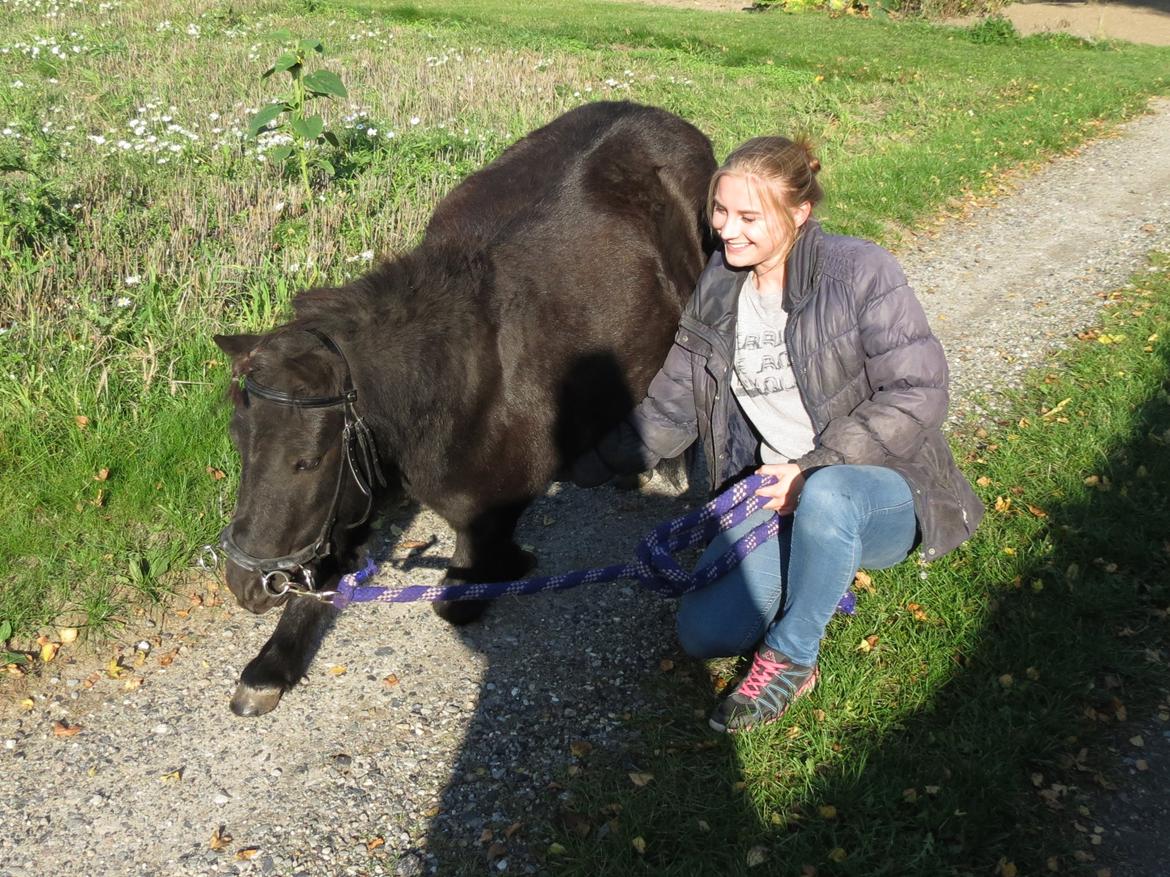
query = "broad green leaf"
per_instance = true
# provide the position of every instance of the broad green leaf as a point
(13, 658)
(5, 630)
(286, 61)
(325, 82)
(281, 35)
(308, 129)
(263, 117)
(331, 139)
(311, 45)
(326, 166)
(279, 154)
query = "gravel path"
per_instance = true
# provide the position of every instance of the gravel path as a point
(414, 747)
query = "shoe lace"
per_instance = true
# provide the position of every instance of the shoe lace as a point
(763, 671)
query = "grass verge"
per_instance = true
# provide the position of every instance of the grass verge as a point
(963, 720)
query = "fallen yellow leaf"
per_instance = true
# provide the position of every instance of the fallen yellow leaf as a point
(863, 582)
(640, 778)
(827, 811)
(374, 843)
(220, 839)
(639, 844)
(62, 729)
(338, 670)
(245, 853)
(556, 850)
(838, 855)
(580, 748)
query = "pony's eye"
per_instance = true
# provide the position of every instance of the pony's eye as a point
(307, 465)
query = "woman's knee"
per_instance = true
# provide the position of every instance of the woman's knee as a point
(828, 499)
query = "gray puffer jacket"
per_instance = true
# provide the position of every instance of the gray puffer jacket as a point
(872, 377)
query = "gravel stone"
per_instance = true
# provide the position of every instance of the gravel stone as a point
(353, 775)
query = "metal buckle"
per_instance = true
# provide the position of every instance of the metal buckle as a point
(303, 587)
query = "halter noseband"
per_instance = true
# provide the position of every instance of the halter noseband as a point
(360, 458)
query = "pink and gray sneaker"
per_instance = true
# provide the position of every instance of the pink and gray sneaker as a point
(771, 685)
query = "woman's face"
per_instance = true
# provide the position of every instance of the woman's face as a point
(749, 240)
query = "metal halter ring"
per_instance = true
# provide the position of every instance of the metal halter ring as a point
(266, 583)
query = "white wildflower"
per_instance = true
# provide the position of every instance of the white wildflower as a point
(133, 280)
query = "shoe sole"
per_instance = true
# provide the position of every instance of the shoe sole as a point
(800, 692)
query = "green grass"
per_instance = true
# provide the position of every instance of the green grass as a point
(939, 749)
(120, 262)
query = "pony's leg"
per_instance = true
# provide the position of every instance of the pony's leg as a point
(484, 552)
(284, 658)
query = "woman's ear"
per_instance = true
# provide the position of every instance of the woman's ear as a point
(801, 213)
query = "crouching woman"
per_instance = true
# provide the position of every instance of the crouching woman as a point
(807, 357)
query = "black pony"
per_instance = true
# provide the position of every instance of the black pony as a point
(468, 372)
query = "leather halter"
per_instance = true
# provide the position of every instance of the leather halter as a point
(360, 457)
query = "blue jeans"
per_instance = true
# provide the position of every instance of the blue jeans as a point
(786, 590)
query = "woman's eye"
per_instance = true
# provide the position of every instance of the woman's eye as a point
(306, 465)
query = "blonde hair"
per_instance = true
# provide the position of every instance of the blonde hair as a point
(782, 171)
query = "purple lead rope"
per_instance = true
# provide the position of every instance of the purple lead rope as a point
(654, 567)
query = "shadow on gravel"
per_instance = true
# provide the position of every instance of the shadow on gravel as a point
(564, 692)
(576, 705)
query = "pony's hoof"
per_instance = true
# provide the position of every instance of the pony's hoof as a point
(251, 701)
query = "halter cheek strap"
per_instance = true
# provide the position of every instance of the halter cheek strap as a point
(359, 458)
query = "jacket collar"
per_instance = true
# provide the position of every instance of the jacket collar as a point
(803, 266)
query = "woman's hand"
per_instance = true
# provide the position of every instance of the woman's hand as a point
(785, 492)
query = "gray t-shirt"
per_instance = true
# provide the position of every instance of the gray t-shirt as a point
(763, 381)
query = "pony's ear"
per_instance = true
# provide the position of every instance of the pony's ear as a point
(236, 346)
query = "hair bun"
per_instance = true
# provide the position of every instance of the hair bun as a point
(814, 164)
